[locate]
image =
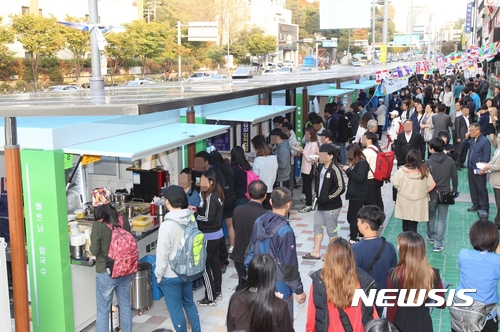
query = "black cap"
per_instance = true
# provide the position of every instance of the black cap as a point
(326, 133)
(176, 196)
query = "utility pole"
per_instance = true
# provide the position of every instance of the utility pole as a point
(385, 29)
(411, 26)
(373, 32)
(179, 65)
(96, 81)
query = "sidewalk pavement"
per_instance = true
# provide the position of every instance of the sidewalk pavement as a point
(459, 221)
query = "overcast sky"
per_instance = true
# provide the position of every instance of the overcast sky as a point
(448, 10)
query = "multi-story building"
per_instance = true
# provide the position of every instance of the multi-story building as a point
(112, 12)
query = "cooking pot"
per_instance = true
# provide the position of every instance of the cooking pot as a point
(77, 252)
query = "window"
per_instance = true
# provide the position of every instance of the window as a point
(105, 166)
(25, 10)
(40, 12)
(87, 18)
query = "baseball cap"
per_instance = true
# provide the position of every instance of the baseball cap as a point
(176, 196)
(326, 133)
(381, 99)
(394, 113)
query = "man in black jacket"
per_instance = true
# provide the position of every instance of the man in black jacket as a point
(330, 186)
(408, 140)
(244, 217)
(332, 123)
(462, 122)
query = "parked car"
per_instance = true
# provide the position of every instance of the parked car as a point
(285, 69)
(58, 88)
(199, 76)
(138, 82)
(359, 63)
(270, 72)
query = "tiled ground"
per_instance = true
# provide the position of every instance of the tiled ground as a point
(459, 221)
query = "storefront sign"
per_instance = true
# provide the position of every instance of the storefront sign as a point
(245, 136)
(221, 142)
(468, 18)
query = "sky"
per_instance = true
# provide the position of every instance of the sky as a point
(446, 10)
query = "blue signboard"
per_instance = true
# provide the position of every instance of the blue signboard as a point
(468, 18)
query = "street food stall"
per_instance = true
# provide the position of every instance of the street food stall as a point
(248, 122)
(362, 85)
(332, 95)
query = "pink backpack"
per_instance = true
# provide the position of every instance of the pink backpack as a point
(123, 254)
(251, 176)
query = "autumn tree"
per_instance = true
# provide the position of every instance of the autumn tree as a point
(6, 56)
(259, 44)
(118, 49)
(77, 43)
(39, 35)
(149, 39)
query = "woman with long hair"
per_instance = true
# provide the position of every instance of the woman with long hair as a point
(480, 270)
(381, 325)
(256, 308)
(310, 155)
(218, 162)
(412, 272)
(426, 124)
(413, 182)
(417, 117)
(363, 127)
(332, 292)
(210, 223)
(108, 217)
(493, 121)
(357, 187)
(265, 165)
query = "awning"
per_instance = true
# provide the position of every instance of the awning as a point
(332, 93)
(144, 143)
(361, 85)
(253, 114)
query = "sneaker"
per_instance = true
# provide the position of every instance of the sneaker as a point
(431, 241)
(438, 249)
(353, 241)
(230, 250)
(206, 302)
(218, 296)
(305, 209)
(303, 198)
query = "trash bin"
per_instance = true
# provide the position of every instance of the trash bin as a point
(151, 259)
(141, 290)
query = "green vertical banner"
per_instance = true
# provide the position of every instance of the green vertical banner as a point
(47, 240)
(298, 117)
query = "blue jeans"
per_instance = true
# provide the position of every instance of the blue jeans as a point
(343, 153)
(179, 295)
(105, 285)
(433, 232)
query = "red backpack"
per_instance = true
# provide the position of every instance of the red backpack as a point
(383, 165)
(123, 254)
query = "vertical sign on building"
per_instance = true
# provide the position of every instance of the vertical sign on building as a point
(468, 18)
(245, 136)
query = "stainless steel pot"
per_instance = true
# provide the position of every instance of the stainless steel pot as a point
(77, 252)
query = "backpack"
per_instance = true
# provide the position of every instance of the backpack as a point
(190, 259)
(383, 165)
(123, 255)
(251, 176)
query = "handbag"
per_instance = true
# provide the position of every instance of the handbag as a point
(314, 170)
(446, 197)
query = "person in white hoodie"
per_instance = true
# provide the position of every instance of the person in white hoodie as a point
(178, 294)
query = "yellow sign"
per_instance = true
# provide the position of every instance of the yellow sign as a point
(88, 159)
(383, 53)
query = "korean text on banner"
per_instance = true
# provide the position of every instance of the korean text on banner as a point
(389, 86)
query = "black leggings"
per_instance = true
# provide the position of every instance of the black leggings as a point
(409, 225)
(352, 217)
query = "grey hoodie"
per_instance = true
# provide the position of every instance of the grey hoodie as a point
(443, 170)
(284, 163)
(169, 237)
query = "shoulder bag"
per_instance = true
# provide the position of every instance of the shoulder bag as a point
(446, 197)
(377, 256)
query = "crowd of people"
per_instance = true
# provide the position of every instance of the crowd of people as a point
(433, 127)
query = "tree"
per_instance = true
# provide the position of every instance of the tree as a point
(6, 56)
(40, 36)
(459, 23)
(77, 43)
(448, 47)
(149, 39)
(259, 44)
(118, 49)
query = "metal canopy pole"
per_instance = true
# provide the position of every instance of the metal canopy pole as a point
(16, 225)
(96, 81)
